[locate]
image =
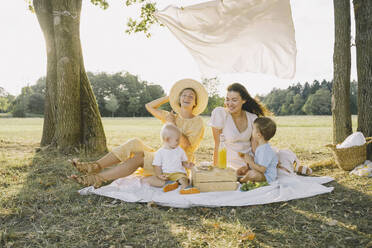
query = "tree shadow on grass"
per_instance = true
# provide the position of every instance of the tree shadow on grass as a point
(48, 212)
(341, 218)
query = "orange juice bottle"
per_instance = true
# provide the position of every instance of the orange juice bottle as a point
(222, 153)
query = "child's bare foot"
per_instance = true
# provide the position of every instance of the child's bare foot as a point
(242, 171)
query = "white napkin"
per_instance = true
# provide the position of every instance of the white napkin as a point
(355, 139)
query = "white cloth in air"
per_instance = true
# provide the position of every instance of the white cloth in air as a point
(286, 187)
(236, 35)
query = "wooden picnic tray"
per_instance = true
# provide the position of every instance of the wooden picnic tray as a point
(215, 179)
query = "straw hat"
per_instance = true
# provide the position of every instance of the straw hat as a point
(201, 95)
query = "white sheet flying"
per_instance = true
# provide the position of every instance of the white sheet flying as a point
(287, 187)
(236, 35)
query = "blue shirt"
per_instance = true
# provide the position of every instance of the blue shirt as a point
(265, 156)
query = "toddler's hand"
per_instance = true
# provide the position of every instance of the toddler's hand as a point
(163, 177)
(189, 165)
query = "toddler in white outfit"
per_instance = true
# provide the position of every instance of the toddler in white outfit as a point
(170, 162)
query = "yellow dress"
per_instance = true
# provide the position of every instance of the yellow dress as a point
(192, 128)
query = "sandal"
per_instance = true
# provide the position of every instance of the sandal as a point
(89, 180)
(86, 167)
(170, 185)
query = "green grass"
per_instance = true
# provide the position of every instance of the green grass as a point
(39, 207)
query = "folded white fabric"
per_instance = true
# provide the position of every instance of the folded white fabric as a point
(291, 163)
(236, 35)
(285, 188)
(355, 139)
(287, 158)
(363, 170)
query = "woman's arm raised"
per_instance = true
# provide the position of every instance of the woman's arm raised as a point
(153, 107)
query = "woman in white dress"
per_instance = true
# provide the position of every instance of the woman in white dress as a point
(235, 122)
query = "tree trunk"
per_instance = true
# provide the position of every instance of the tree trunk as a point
(43, 10)
(341, 72)
(363, 41)
(72, 120)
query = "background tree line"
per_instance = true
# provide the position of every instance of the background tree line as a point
(120, 94)
(124, 95)
(306, 99)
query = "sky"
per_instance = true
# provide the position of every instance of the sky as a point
(162, 59)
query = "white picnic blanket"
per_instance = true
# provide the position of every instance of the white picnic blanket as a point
(286, 187)
(236, 35)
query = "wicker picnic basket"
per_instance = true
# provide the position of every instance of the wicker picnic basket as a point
(349, 158)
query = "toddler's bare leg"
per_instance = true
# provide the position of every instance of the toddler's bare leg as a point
(154, 181)
(184, 182)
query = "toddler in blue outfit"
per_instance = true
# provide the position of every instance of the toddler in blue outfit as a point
(263, 166)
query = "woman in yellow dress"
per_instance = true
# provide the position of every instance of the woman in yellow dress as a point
(188, 98)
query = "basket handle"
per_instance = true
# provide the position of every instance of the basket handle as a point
(331, 146)
(368, 140)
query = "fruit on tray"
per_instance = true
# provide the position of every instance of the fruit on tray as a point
(251, 185)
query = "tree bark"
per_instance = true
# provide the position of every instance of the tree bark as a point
(363, 42)
(341, 72)
(72, 120)
(44, 15)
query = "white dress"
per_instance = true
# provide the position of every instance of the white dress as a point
(235, 141)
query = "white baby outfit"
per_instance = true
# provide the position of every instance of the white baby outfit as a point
(170, 160)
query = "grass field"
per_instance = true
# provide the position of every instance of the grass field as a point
(39, 207)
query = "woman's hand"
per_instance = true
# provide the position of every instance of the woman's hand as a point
(171, 117)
